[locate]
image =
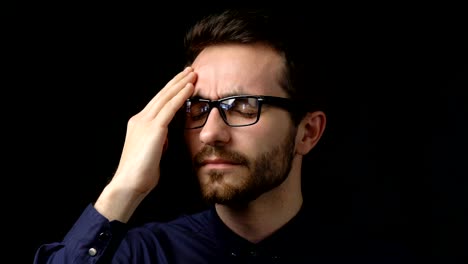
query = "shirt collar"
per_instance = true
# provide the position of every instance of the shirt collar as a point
(282, 242)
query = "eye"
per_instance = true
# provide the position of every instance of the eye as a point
(243, 107)
(197, 109)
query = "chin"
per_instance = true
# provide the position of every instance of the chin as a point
(218, 191)
(225, 194)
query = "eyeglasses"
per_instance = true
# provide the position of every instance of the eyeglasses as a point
(236, 111)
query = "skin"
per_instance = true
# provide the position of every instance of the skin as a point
(217, 72)
(227, 70)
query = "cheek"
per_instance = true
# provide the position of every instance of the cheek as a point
(274, 127)
(263, 136)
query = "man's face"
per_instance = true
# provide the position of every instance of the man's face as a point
(235, 165)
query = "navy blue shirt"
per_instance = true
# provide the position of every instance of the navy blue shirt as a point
(203, 238)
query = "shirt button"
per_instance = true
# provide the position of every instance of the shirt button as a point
(103, 236)
(92, 252)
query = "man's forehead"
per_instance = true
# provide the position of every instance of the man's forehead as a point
(237, 69)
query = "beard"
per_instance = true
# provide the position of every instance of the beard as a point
(266, 171)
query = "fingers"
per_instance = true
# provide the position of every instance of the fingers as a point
(167, 102)
(174, 96)
(169, 90)
(166, 114)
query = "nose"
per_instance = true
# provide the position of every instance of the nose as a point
(215, 131)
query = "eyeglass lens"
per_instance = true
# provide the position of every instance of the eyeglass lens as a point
(235, 111)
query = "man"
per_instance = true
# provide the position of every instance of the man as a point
(247, 126)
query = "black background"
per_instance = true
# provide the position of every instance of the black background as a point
(393, 157)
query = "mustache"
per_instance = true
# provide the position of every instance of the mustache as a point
(219, 152)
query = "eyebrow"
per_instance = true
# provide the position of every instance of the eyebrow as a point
(235, 92)
(224, 96)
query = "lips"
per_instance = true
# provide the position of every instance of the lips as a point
(216, 156)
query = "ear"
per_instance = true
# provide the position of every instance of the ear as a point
(309, 131)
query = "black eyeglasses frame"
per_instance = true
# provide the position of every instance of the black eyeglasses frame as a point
(281, 102)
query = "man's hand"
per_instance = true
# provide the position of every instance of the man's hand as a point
(138, 171)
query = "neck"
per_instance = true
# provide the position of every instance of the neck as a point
(269, 212)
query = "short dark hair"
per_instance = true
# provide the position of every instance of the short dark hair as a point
(281, 30)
